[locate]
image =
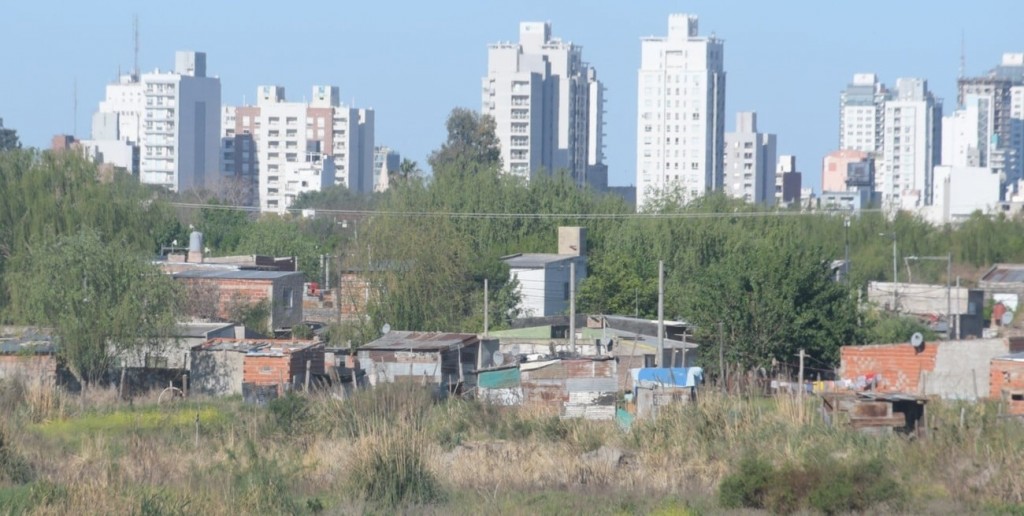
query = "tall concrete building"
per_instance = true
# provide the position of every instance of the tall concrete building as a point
(304, 147)
(835, 166)
(861, 106)
(239, 178)
(547, 104)
(910, 145)
(788, 182)
(749, 161)
(386, 162)
(997, 100)
(172, 118)
(681, 113)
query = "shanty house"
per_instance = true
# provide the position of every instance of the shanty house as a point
(237, 366)
(571, 387)
(27, 353)
(447, 360)
(544, 278)
(1006, 382)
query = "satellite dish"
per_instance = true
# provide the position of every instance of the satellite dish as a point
(385, 329)
(498, 358)
(1007, 318)
(917, 340)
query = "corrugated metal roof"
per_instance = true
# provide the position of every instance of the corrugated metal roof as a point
(1015, 357)
(535, 260)
(28, 340)
(421, 341)
(1005, 273)
(238, 275)
(199, 329)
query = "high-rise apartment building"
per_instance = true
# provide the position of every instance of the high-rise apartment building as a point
(304, 147)
(861, 106)
(910, 145)
(750, 161)
(547, 105)
(172, 118)
(788, 181)
(386, 162)
(239, 179)
(835, 166)
(997, 100)
(681, 109)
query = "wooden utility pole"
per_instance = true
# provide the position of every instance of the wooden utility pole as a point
(800, 395)
(658, 362)
(485, 307)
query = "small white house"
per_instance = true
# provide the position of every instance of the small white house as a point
(544, 277)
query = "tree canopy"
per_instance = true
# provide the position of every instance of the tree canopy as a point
(101, 301)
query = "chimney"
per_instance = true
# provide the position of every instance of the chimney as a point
(572, 240)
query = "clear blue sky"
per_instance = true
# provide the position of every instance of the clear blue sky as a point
(413, 61)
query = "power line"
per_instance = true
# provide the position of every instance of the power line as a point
(540, 216)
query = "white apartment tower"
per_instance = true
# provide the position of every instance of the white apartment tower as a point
(547, 105)
(172, 118)
(861, 108)
(749, 161)
(999, 98)
(910, 145)
(303, 147)
(681, 108)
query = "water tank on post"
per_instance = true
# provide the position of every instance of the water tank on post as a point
(195, 247)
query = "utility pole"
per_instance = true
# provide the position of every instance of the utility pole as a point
(661, 313)
(846, 224)
(949, 296)
(800, 395)
(895, 275)
(572, 305)
(485, 307)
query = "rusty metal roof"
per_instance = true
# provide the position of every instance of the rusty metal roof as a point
(1005, 273)
(421, 341)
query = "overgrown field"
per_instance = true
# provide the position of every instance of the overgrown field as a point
(396, 449)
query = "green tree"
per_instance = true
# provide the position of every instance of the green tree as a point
(472, 144)
(223, 228)
(8, 138)
(774, 296)
(101, 301)
(283, 236)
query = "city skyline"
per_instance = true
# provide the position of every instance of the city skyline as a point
(84, 46)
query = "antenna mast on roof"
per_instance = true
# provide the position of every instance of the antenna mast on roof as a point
(135, 61)
(963, 54)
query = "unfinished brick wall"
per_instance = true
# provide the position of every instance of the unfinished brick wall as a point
(41, 368)
(1008, 375)
(899, 365)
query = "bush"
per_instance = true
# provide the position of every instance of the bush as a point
(827, 486)
(394, 473)
(13, 467)
(290, 413)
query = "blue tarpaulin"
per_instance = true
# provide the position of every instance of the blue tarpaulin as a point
(649, 377)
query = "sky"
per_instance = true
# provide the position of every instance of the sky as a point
(413, 61)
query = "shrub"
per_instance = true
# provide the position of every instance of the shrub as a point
(290, 413)
(12, 466)
(393, 473)
(826, 486)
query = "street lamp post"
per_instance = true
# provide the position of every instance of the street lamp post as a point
(846, 224)
(895, 269)
(949, 298)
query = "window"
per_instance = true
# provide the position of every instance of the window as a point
(286, 297)
(566, 290)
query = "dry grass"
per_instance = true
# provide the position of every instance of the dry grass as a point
(396, 447)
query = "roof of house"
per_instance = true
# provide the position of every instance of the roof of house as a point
(270, 347)
(535, 260)
(1014, 357)
(1005, 273)
(421, 341)
(199, 329)
(236, 275)
(26, 340)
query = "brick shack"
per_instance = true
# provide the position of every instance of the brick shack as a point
(28, 354)
(1006, 382)
(957, 369)
(238, 366)
(282, 290)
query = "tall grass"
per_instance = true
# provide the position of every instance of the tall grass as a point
(397, 448)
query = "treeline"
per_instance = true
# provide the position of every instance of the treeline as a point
(757, 280)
